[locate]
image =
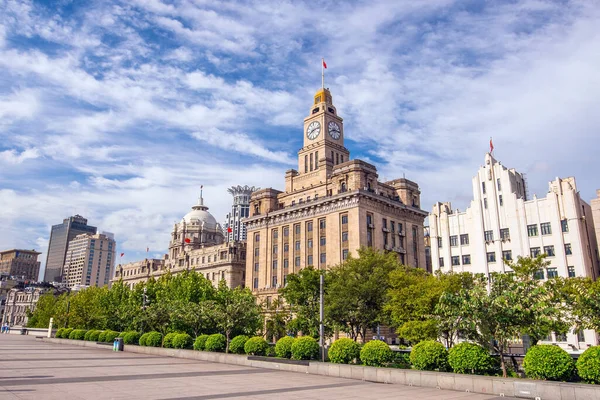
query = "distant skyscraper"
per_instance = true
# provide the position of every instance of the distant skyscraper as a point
(234, 229)
(20, 263)
(90, 260)
(60, 236)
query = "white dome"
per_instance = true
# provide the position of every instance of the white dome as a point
(202, 217)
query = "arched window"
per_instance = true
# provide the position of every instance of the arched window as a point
(343, 187)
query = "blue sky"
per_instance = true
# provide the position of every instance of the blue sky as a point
(120, 110)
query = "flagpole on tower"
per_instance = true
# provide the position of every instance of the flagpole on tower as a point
(323, 73)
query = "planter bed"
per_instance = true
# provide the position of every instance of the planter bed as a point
(279, 360)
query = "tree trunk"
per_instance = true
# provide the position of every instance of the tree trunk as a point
(502, 365)
(227, 333)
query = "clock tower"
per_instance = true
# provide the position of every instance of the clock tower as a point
(323, 137)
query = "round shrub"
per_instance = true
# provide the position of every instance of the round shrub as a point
(102, 336)
(59, 333)
(429, 355)
(110, 336)
(548, 362)
(215, 342)
(86, 337)
(168, 340)
(588, 365)
(67, 333)
(344, 351)
(283, 347)
(236, 346)
(470, 358)
(131, 337)
(270, 351)
(154, 339)
(305, 348)
(78, 334)
(182, 341)
(200, 342)
(376, 353)
(142, 339)
(256, 346)
(93, 335)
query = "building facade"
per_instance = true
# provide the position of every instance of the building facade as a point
(60, 236)
(7, 282)
(24, 298)
(90, 260)
(22, 263)
(331, 206)
(501, 223)
(234, 229)
(595, 205)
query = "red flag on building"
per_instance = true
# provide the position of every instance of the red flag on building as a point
(324, 64)
(122, 254)
(187, 240)
(229, 230)
(491, 145)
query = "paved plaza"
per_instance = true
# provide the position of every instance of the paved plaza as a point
(33, 369)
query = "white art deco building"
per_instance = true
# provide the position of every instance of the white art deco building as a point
(501, 223)
(234, 230)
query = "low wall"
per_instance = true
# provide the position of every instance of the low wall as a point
(509, 387)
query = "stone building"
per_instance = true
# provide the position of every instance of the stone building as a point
(330, 207)
(501, 223)
(595, 205)
(90, 260)
(22, 263)
(234, 229)
(24, 298)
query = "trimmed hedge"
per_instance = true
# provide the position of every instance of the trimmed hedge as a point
(270, 351)
(470, 358)
(215, 342)
(236, 346)
(588, 365)
(67, 333)
(102, 336)
(256, 346)
(283, 347)
(182, 341)
(429, 355)
(110, 336)
(142, 339)
(59, 333)
(376, 354)
(200, 342)
(305, 348)
(78, 334)
(131, 337)
(86, 337)
(168, 339)
(548, 362)
(93, 335)
(154, 339)
(344, 351)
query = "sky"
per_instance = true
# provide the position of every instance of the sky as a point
(120, 110)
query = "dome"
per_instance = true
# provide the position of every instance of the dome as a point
(200, 215)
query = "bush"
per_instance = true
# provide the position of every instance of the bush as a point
(131, 337)
(154, 339)
(256, 346)
(429, 355)
(59, 333)
(344, 351)
(102, 336)
(67, 333)
(305, 348)
(401, 360)
(270, 351)
(168, 340)
(200, 342)
(182, 341)
(93, 335)
(548, 362)
(588, 365)
(78, 334)
(110, 336)
(376, 353)
(236, 346)
(215, 342)
(142, 339)
(470, 358)
(283, 347)
(86, 337)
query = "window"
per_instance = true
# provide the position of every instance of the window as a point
(309, 260)
(499, 185)
(564, 224)
(441, 261)
(580, 336)
(489, 236)
(539, 274)
(255, 267)
(483, 187)
(297, 229)
(275, 234)
(274, 264)
(491, 257)
(323, 258)
(453, 240)
(255, 283)
(297, 261)
(552, 273)
(466, 259)
(297, 245)
(286, 263)
(455, 260)
(507, 255)
(545, 228)
(500, 200)
(275, 248)
(392, 226)
(384, 222)
(286, 231)
(568, 250)
(485, 203)
(369, 238)
(322, 224)
(439, 242)
(549, 250)
(323, 241)
(274, 281)
(345, 254)
(309, 226)
(532, 230)
(369, 220)
(504, 234)
(309, 243)
(561, 337)
(344, 219)
(534, 251)
(286, 247)
(256, 252)
(316, 159)
(257, 237)
(464, 239)
(571, 272)
(344, 236)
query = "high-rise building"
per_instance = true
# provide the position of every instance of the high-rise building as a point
(60, 236)
(90, 260)
(331, 207)
(21, 263)
(234, 229)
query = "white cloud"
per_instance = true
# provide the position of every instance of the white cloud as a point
(13, 157)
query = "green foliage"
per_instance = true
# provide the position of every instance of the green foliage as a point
(59, 333)
(154, 339)
(429, 356)
(470, 358)
(131, 337)
(102, 336)
(142, 340)
(48, 306)
(344, 351)
(67, 333)
(588, 365)
(376, 354)
(401, 360)
(110, 336)
(200, 342)
(216, 342)
(236, 345)
(256, 346)
(86, 337)
(93, 335)
(168, 340)
(270, 351)
(302, 292)
(417, 331)
(182, 341)
(548, 362)
(77, 334)
(283, 347)
(305, 348)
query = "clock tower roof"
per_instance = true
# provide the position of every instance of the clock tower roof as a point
(323, 95)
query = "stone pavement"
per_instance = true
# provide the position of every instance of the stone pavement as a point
(33, 369)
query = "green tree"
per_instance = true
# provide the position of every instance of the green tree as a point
(582, 295)
(302, 294)
(86, 310)
(48, 306)
(276, 319)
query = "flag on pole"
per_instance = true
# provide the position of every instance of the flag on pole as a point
(122, 254)
(491, 145)
(147, 249)
(324, 64)
(187, 240)
(229, 230)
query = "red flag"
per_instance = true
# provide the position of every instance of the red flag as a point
(188, 240)
(122, 254)
(491, 145)
(324, 64)
(229, 230)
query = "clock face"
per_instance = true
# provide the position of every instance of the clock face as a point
(334, 130)
(313, 130)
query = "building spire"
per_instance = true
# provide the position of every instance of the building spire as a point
(201, 200)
